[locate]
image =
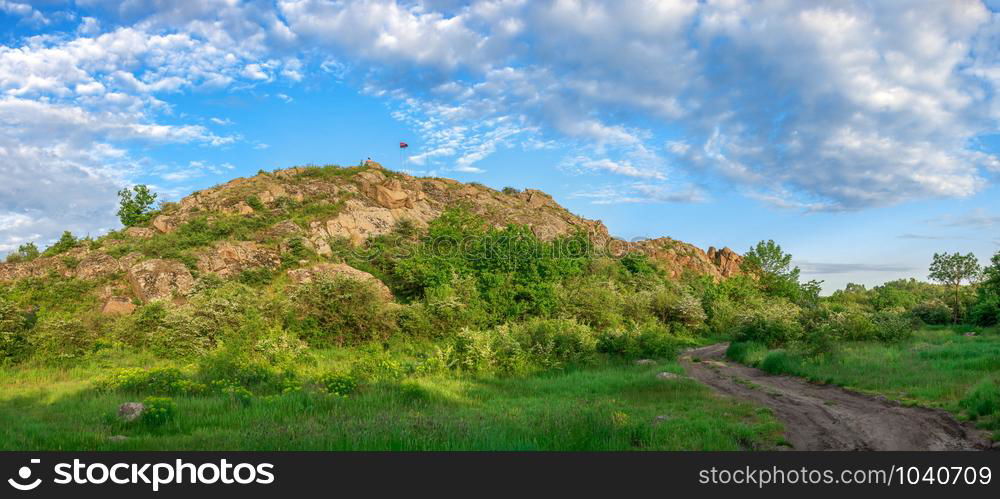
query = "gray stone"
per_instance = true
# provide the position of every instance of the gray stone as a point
(130, 411)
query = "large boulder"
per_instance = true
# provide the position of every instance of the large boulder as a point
(95, 265)
(309, 274)
(160, 280)
(118, 305)
(165, 224)
(230, 258)
(727, 261)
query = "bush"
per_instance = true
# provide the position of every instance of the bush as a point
(341, 311)
(746, 352)
(61, 338)
(682, 308)
(773, 324)
(257, 355)
(13, 343)
(338, 384)
(158, 411)
(892, 326)
(779, 362)
(25, 253)
(445, 310)
(375, 365)
(492, 350)
(555, 342)
(155, 381)
(647, 341)
(594, 303)
(65, 243)
(933, 312)
(986, 312)
(982, 400)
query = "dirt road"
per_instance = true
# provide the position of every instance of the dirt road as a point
(822, 417)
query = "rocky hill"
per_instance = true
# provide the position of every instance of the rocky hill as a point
(256, 223)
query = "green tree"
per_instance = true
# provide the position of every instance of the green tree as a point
(951, 270)
(65, 243)
(773, 269)
(135, 206)
(991, 276)
(25, 252)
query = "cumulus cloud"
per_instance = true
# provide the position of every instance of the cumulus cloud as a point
(848, 268)
(72, 108)
(816, 106)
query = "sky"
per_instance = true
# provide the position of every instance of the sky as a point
(861, 136)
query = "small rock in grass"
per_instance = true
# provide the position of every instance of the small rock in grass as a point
(660, 419)
(645, 362)
(130, 411)
(117, 438)
(666, 375)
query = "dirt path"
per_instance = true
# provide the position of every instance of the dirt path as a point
(823, 417)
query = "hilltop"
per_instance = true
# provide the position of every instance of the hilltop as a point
(299, 217)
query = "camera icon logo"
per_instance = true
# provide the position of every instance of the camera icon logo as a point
(25, 473)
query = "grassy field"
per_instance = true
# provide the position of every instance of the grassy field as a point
(939, 367)
(610, 406)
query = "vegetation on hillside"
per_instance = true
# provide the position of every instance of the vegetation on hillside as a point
(480, 313)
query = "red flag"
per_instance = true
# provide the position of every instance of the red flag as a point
(403, 145)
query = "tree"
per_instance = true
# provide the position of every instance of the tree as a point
(65, 243)
(991, 276)
(951, 270)
(25, 252)
(773, 268)
(135, 206)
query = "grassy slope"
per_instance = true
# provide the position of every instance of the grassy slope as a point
(937, 368)
(613, 406)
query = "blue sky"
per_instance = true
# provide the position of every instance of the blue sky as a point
(862, 136)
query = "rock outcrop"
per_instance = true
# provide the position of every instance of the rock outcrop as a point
(160, 280)
(726, 260)
(352, 204)
(118, 305)
(227, 259)
(306, 275)
(677, 258)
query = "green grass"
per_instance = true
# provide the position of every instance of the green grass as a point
(612, 406)
(939, 367)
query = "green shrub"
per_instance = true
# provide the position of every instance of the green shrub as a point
(444, 311)
(672, 306)
(13, 342)
(375, 365)
(155, 381)
(65, 243)
(255, 203)
(986, 312)
(491, 350)
(595, 303)
(746, 352)
(158, 411)
(24, 253)
(645, 341)
(773, 324)
(555, 342)
(342, 311)
(779, 362)
(982, 400)
(59, 337)
(891, 326)
(338, 384)
(933, 312)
